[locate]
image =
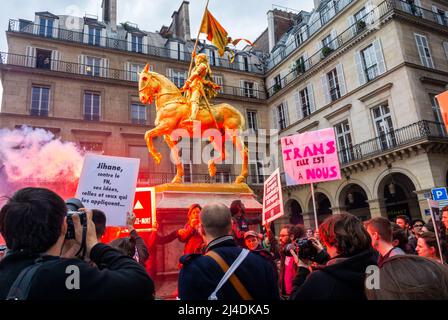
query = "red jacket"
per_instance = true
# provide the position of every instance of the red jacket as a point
(193, 240)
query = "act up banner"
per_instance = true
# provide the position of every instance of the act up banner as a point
(442, 99)
(145, 209)
(310, 157)
(108, 183)
(272, 198)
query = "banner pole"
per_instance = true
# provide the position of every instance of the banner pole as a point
(193, 54)
(314, 206)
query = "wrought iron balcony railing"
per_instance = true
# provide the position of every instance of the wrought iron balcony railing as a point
(106, 73)
(392, 140)
(123, 45)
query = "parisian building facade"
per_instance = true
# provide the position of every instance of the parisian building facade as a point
(368, 69)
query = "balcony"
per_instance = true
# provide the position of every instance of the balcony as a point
(344, 38)
(17, 26)
(419, 12)
(98, 72)
(396, 142)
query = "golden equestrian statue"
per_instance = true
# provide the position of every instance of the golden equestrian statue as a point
(176, 111)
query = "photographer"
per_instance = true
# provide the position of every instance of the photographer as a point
(34, 225)
(349, 247)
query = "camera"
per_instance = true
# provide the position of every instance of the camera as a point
(73, 206)
(306, 249)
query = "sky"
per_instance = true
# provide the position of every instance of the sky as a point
(241, 18)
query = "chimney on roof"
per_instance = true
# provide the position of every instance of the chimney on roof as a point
(110, 13)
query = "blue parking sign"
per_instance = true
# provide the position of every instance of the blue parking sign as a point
(439, 194)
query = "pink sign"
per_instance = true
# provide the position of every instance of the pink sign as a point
(310, 157)
(272, 198)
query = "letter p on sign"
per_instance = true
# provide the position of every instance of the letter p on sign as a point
(439, 194)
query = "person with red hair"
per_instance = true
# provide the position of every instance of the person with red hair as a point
(189, 234)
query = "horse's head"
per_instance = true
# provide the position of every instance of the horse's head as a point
(148, 85)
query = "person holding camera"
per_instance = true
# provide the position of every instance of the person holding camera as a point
(240, 223)
(349, 247)
(35, 224)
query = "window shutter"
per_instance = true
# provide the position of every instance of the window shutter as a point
(169, 73)
(104, 66)
(370, 19)
(437, 17)
(352, 25)
(275, 118)
(55, 28)
(129, 38)
(306, 61)
(298, 103)
(257, 90)
(360, 68)
(286, 110)
(419, 5)
(445, 47)
(341, 79)
(81, 62)
(86, 34)
(311, 97)
(127, 71)
(319, 48)
(379, 56)
(145, 44)
(55, 58)
(334, 41)
(30, 57)
(242, 93)
(325, 87)
(103, 37)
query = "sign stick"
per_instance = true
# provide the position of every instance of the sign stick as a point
(314, 205)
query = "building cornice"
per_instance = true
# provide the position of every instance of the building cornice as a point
(376, 92)
(343, 109)
(91, 132)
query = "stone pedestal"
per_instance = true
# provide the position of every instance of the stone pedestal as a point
(172, 202)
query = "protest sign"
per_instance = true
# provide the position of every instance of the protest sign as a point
(272, 198)
(145, 209)
(108, 183)
(442, 99)
(310, 157)
(435, 217)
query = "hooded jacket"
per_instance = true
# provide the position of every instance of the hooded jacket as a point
(341, 279)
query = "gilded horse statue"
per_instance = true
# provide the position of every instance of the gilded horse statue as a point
(173, 111)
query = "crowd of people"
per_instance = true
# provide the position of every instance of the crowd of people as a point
(227, 256)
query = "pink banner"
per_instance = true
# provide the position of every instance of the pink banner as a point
(310, 157)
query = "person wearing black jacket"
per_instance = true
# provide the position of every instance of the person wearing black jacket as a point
(349, 247)
(200, 274)
(33, 223)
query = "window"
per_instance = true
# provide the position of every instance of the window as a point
(326, 42)
(212, 57)
(299, 66)
(136, 69)
(252, 120)
(179, 78)
(46, 27)
(344, 139)
(256, 167)
(40, 101)
(439, 16)
(137, 44)
(138, 113)
(438, 115)
(333, 82)
(92, 103)
(423, 51)
(305, 102)
(43, 59)
(249, 89)
(360, 15)
(277, 83)
(93, 66)
(282, 116)
(219, 81)
(91, 147)
(384, 127)
(94, 36)
(370, 62)
(301, 36)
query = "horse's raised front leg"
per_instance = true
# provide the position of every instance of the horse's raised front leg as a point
(241, 147)
(177, 160)
(149, 135)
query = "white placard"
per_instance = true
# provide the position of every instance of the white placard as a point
(108, 183)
